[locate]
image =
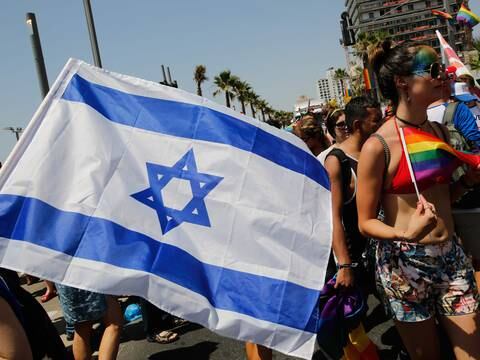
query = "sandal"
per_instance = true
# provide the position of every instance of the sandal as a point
(179, 322)
(164, 337)
(49, 295)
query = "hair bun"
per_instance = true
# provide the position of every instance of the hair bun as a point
(379, 54)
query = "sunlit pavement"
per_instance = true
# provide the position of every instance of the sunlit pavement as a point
(199, 343)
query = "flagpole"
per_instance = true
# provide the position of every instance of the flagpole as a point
(410, 168)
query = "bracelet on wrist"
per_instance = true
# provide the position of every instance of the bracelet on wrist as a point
(464, 183)
(347, 266)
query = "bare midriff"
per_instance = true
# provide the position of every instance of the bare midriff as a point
(399, 208)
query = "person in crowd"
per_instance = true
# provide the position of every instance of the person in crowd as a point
(423, 269)
(471, 91)
(50, 293)
(362, 117)
(83, 308)
(470, 81)
(26, 331)
(337, 129)
(156, 322)
(308, 128)
(461, 117)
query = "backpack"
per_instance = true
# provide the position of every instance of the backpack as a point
(457, 140)
(469, 200)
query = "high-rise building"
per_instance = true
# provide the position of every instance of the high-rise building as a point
(330, 88)
(405, 19)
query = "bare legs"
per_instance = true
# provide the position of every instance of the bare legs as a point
(113, 321)
(464, 334)
(111, 337)
(421, 338)
(50, 293)
(257, 352)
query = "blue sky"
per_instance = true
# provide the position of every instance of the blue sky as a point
(280, 47)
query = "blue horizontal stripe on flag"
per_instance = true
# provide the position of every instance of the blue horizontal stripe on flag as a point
(193, 122)
(274, 300)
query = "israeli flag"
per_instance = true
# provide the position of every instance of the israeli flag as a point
(123, 186)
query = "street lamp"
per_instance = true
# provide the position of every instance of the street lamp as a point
(92, 33)
(37, 53)
(17, 131)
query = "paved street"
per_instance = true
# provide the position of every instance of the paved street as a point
(196, 342)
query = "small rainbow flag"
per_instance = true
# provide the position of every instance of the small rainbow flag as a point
(467, 17)
(433, 159)
(442, 14)
(366, 79)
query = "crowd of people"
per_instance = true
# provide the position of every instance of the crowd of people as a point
(388, 240)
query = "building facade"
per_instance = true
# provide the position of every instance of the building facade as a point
(405, 20)
(330, 88)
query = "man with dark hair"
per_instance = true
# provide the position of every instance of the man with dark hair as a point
(363, 117)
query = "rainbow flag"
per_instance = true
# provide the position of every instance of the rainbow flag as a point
(433, 159)
(367, 80)
(442, 14)
(467, 17)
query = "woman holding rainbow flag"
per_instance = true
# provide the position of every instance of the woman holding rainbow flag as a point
(406, 169)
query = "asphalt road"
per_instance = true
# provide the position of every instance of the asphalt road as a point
(199, 343)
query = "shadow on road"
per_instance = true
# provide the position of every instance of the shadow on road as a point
(201, 350)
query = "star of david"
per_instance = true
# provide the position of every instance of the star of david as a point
(159, 176)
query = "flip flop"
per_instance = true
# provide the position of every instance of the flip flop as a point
(48, 296)
(164, 337)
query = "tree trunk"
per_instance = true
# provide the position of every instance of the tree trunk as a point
(263, 114)
(227, 99)
(199, 89)
(253, 110)
(243, 106)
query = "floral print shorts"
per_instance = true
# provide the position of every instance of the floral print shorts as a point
(420, 281)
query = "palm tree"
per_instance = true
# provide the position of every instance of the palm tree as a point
(252, 99)
(225, 83)
(356, 81)
(199, 76)
(262, 105)
(341, 75)
(242, 89)
(366, 43)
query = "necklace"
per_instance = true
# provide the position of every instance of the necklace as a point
(411, 124)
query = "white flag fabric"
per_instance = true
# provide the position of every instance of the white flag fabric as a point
(127, 187)
(450, 57)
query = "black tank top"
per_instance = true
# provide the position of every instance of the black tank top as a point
(356, 242)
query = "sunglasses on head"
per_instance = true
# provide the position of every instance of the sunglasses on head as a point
(435, 70)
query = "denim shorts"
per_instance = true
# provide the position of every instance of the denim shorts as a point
(81, 305)
(420, 281)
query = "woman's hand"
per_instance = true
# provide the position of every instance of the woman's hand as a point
(422, 222)
(344, 278)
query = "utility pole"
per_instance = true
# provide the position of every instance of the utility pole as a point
(17, 131)
(37, 53)
(92, 33)
(168, 80)
(450, 32)
(468, 32)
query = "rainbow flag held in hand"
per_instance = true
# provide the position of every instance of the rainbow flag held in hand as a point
(467, 17)
(433, 159)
